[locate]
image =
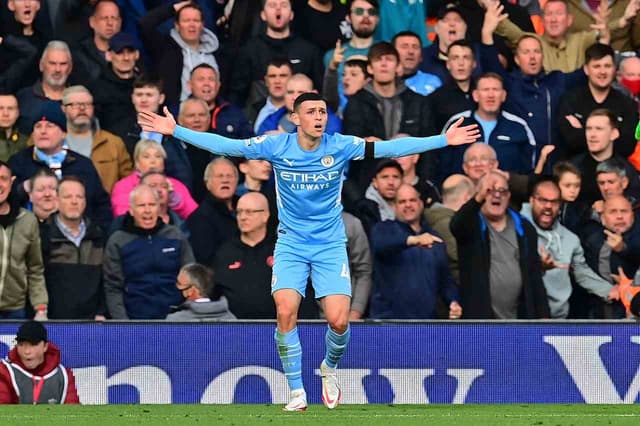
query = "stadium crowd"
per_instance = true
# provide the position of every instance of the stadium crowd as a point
(102, 220)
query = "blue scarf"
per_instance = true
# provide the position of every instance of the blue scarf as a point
(53, 161)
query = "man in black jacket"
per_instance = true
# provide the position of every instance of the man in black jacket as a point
(500, 270)
(277, 41)
(213, 222)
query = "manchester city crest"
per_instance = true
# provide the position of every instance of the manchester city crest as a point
(327, 160)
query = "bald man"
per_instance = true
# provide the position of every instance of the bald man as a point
(456, 191)
(478, 159)
(614, 243)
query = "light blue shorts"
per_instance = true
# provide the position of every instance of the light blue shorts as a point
(328, 266)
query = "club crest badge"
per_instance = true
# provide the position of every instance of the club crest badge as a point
(327, 160)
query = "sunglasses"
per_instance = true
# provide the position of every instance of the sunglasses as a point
(359, 11)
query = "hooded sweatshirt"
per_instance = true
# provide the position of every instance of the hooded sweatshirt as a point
(192, 58)
(565, 248)
(391, 109)
(386, 211)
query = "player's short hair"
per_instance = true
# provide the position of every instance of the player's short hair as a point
(603, 112)
(406, 33)
(380, 49)
(612, 165)
(308, 96)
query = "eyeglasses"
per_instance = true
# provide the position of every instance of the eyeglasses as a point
(360, 11)
(248, 212)
(78, 105)
(543, 200)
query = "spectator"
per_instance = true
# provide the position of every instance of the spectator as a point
(363, 17)
(508, 134)
(195, 115)
(26, 22)
(384, 108)
(601, 130)
(188, 44)
(21, 250)
(428, 191)
(113, 88)
(90, 54)
(50, 150)
(43, 195)
(612, 181)
(84, 136)
(354, 77)
(17, 58)
(280, 120)
(359, 265)
(612, 245)
(479, 159)
(596, 94)
(454, 96)
(560, 252)
(55, 67)
(377, 204)
(213, 222)
(257, 178)
(34, 356)
(243, 263)
(409, 47)
(573, 213)
(73, 257)
(277, 41)
(562, 50)
(622, 17)
(195, 282)
(150, 155)
(450, 27)
(397, 16)
(410, 265)
(226, 119)
(148, 95)
(319, 22)
(628, 78)
(279, 70)
(142, 261)
(456, 191)
(532, 92)
(500, 271)
(12, 139)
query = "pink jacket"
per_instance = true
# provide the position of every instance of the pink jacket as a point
(180, 200)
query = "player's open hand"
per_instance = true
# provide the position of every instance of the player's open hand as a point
(457, 135)
(152, 122)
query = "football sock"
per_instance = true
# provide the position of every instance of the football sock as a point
(336, 345)
(290, 353)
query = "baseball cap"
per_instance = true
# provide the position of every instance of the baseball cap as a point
(450, 7)
(122, 40)
(32, 331)
(51, 111)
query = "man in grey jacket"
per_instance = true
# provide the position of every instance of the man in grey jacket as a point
(195, 281)
(560, 250)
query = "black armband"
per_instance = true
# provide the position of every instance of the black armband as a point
(369, 150)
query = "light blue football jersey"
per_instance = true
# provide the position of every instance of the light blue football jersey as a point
(308, 183)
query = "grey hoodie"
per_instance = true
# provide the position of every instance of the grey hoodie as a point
(386, 211)
(564, 246)
(191, 58)
(211, 310)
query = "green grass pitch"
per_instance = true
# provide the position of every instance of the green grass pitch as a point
(360, 415)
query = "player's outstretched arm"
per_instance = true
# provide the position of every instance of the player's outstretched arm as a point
(152, 122)
(400, 147)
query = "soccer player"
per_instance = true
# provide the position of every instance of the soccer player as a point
(309, 166)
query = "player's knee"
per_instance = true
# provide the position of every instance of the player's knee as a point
(339, 324)
(287, 313)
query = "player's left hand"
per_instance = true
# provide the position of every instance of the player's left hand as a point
(457, 135)
(152, 122)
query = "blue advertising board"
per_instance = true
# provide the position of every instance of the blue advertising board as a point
(401, 363)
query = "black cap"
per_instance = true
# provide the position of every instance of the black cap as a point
(387, 163)
(32, 331)
(450, 7)
(120, 41)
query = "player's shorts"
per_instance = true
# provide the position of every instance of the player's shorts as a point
(328, 266)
